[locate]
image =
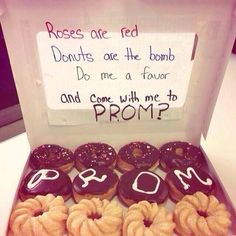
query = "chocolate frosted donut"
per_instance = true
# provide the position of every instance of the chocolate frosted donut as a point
(95, 154)
(138, 155)
(99, 181)
(139, 184)
(52, 156)
(179, 154)
(44, 181)
(187, 181)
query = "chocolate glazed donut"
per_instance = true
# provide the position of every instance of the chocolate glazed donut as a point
(52, 156)
(180, 154)
(97, 182)
(44, 181)
(138, 155)
(95, 154)
(187, 181)
(139, 184)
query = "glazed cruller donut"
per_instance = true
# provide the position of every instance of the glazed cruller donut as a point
(43, 215)
(200, 215)
(95, 217)
(148, 219)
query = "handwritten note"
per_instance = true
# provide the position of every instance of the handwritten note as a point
(118, 75)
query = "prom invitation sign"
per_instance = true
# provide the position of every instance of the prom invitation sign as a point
(117, 76)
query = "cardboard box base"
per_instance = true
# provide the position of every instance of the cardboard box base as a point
(221, 194)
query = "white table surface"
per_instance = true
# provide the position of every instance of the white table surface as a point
(220, 147)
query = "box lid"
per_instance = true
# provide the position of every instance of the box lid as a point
(184, 44)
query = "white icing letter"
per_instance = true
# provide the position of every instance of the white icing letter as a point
(178, 173)
(135, 184)
(41, 175)
(87, 179)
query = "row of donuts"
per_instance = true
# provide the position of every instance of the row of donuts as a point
(132, 186)
(131, 156)
(95, 162)
(48, 215)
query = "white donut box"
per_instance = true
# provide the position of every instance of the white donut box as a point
(72, 60)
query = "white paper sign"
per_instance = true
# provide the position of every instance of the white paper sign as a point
(115, 72)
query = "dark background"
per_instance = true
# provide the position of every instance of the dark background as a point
(8, 95)
(234, 49)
